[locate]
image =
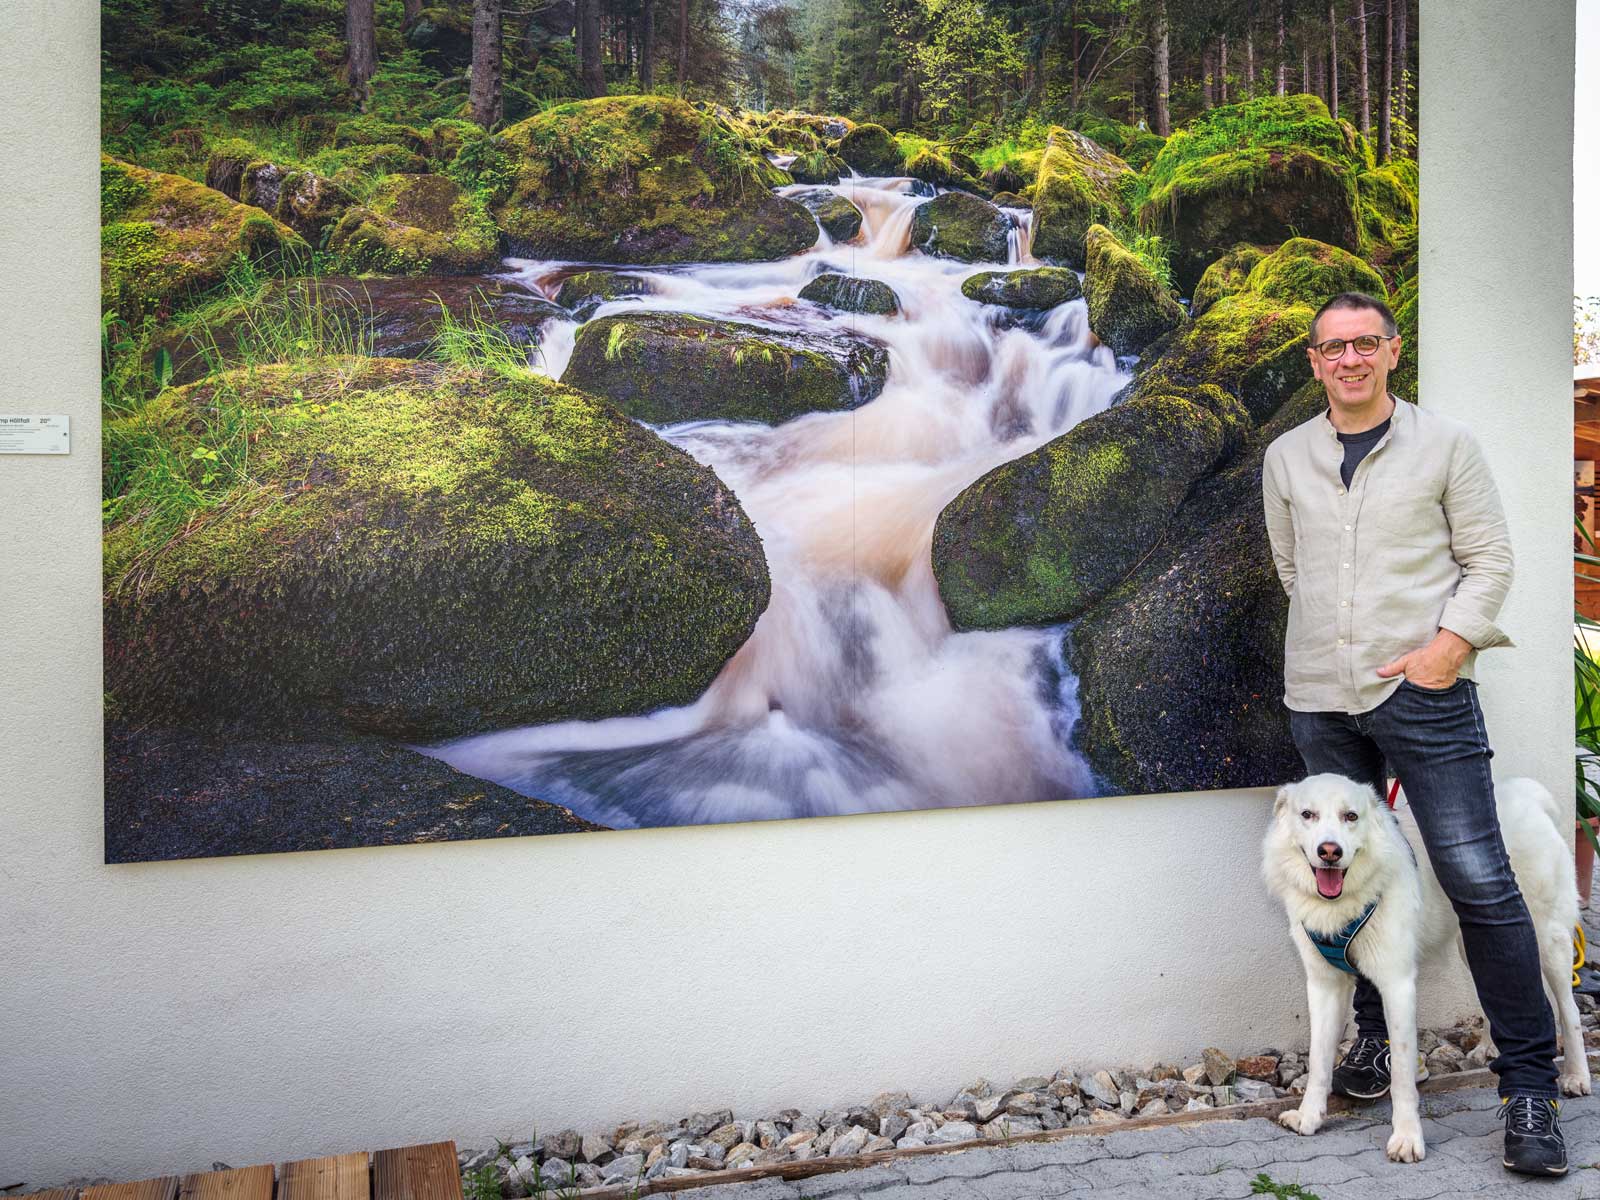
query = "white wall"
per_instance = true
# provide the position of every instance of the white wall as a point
(156, 1017)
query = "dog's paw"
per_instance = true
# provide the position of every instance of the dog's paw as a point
(1303, 1121)
(1405, 1144)
(1575, 1084)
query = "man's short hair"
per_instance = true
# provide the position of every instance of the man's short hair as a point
(1356, 300)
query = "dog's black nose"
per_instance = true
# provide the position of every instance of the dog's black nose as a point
(1330, 852)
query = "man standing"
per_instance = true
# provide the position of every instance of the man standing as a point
(1388, 535)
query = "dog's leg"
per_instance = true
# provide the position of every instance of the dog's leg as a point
(1328, 999)
(1400, 1014)
(1555, 960)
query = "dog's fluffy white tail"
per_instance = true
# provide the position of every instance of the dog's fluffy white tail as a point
(1530, 791)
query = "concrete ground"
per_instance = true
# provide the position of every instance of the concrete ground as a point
(1222, 1159)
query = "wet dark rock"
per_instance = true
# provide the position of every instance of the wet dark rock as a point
(181, 793)
(961, 226)
(588, 290)
(852, 294)
(665, 367)
(839, 219)
(1036, 288)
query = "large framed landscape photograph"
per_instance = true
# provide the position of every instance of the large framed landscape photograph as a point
(566, 416)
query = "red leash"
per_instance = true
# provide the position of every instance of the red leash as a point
(1394, 790)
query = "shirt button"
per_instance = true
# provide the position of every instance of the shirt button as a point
(1346, 566)
(1341, 491)
(1347, 529)
(1341, 641)
(1344, 604)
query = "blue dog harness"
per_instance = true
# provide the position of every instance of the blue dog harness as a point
(1335, 947)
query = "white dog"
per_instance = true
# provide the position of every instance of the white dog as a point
(1332, 850)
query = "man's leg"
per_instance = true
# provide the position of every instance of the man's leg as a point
(1437, 745)
(1332, 742)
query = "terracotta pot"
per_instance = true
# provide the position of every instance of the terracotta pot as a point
(1583, 858)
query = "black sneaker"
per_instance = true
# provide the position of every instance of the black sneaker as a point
(1364, 1073)
(1534, 1145)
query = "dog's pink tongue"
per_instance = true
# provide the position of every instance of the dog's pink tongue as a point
(1330, 881)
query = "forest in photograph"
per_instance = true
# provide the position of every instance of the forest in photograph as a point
(597, 414)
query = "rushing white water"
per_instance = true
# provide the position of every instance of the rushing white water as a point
(853, 694)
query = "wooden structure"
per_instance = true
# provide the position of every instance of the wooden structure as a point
(427, 1172)
(1585, 454)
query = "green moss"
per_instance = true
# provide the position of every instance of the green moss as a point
(668, 367)
(417, 224)
(961, 226)
(929, 165)
(1303, 271)
(872, 150)
(1077, 186)
(837, 217)
(1040, 539)
(372, 131)
(166, 238)
(644, 179)
(817, 166)
(312, 593)
(1136, 147)
(1259, 171)
(1250, 346)
(1128, 307)
(1403, 379)
(1226, 276)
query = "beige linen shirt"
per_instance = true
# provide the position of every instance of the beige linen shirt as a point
(1417, 543)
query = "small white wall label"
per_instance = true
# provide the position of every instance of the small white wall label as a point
(34, 435)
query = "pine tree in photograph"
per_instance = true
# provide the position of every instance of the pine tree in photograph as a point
(486, 96)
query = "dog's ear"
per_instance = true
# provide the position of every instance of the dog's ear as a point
(1281, 804)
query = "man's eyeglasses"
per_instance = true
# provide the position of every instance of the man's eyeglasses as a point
(1366, 345)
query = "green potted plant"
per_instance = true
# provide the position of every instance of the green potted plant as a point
(1586, 680)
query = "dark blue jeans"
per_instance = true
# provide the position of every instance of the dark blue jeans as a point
(1435, 744)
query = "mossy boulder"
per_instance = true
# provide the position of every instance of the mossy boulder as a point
(1136, 147)
(421, 553)
(1128, 306)
(818, 166)
(1038, 540)
(442, 34)
(1388, 201)
(1077, 186)
(1226, 276)
(305, 201)
(794, 138)
(1265, 170)
(1009, 200)
(368, 130)
(1038, 287)
(942, 170)
(588, 290)
(1180, 670)
(164, 238)
(1303, 271)
(1251, 347)
(644, 179)
(381, 316)
(667, 367)
(416, 225)
(961, 226)
(355, 167)
(851, 293)
(839, 219)
(1403, 378)
(872, 150)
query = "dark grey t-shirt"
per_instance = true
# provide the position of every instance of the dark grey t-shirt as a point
(1356, 446)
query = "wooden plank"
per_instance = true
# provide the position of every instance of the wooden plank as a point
(165, 1188)
(242, 1183)
(52, 1194)
(428, 1172)
(338, 1177)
